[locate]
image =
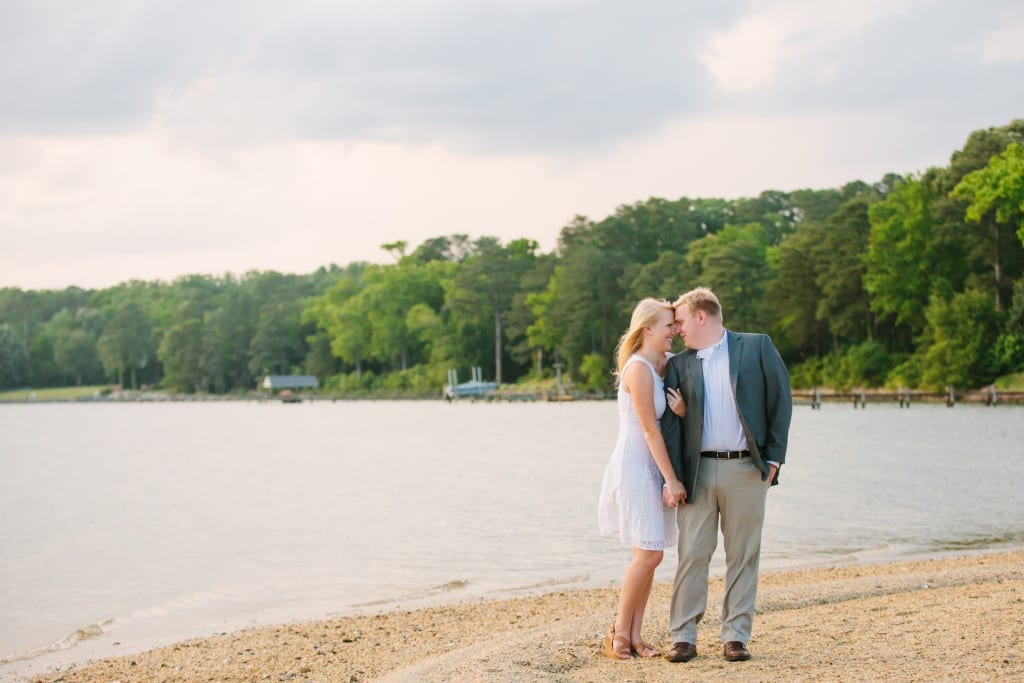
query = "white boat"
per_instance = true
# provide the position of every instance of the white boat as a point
(472, 388)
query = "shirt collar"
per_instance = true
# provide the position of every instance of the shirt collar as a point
(704, 354)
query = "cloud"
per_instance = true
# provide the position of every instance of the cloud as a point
(496, 76)
(147, 138)
(142, 206)
(95, 67)
(1005, 45)
(758, 49)
(559, 78)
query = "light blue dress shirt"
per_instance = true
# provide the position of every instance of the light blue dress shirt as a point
(722, 428)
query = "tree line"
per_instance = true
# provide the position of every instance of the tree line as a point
(913, 281)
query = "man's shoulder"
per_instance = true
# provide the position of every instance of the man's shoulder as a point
(747, 335)
(754, 337)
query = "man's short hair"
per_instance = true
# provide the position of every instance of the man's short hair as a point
(700, 299)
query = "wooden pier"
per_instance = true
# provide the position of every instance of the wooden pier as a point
(861, 398)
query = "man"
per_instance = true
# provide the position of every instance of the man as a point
(727, 451)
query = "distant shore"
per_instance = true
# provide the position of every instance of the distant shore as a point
(500, 395)
(956, 618)
(806, 397)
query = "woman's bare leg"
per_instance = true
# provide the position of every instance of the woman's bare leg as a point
(636, 589)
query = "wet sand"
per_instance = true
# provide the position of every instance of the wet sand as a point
(951, 619)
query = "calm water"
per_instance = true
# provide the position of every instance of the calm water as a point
(126, 526)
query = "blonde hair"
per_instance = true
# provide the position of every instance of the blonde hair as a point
(700, 299)
(644, 315)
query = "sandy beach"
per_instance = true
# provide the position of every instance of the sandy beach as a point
(950, 619)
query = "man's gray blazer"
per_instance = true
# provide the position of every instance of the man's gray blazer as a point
(760, 386)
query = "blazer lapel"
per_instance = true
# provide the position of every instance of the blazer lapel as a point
(734, 360)
(695, 412)
(735, 351)
(696, 372)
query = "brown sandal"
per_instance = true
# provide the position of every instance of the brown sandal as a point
(613, 652)
(642, 649)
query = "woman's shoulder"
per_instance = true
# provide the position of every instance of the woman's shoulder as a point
(637, 357)
(644, 368)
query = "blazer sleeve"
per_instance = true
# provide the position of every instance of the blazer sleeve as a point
(672, 424)
(778, 401)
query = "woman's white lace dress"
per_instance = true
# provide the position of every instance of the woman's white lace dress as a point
(630, 506)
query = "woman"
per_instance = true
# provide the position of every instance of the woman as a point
(631, 507)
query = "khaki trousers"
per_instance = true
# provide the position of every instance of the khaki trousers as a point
(731, 491)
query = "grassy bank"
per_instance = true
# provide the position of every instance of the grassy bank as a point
(1014, 382)
(54, 393)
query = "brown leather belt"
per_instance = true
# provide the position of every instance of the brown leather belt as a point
(724, 455)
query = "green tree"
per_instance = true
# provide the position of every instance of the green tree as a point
(814, 205)
(522, 348)
(844, 305)
(487, 282)
(350, 331)
(861, 365)
(961, 332)
(75, 354)
(126, 343)
(339, 314)
(226, 335)
(595, 371)
(181, 352)
(793, 292)
(320, 361)
(1008, 353)
(996, 192)
(453, 248)
(544, 334)
(990, 258)
(666, 278)
(135, 317)
(72, 337)
(278, 342)
(389, 294)
(773, 210)
(13, 358)
(181, 344)
(426, 326)
(904, 255)
(580, 311)
(734, 264)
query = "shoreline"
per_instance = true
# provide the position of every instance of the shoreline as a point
(808, 396)
(943, 618)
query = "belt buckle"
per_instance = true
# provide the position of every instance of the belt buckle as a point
(724, 455)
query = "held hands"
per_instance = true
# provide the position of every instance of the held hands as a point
(675, 402)
(673, 493)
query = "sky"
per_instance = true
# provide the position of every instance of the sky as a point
(152, 139)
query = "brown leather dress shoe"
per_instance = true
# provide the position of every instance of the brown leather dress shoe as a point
(735, 651)
(681, 652)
